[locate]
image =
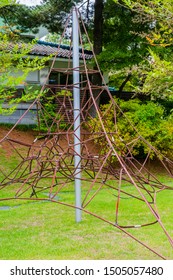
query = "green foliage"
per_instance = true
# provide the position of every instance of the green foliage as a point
(19, 127)
(160, 13)
(15, 65)
(159, 78)
(121, 42)
(48, 116)
(153, 74)
(146, 119)
(51, 14)
(7, 2)
(14, 13)
(55, 38)
(123, 45)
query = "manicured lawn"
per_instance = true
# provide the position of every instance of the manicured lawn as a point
(47, 230)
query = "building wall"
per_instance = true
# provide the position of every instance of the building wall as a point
(38, 78)
(29, 119)
(34, 78)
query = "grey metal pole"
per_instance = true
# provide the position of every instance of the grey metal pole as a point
(76, 112)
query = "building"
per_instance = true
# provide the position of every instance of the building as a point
(39, 78)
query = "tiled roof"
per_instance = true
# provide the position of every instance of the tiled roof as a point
(44, 49)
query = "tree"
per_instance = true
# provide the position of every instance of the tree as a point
(155, 73)
(14, 14)
(115, 30)
(159, 14)
(123, 45)
(110, 26)
(53, 14)
(14, 59)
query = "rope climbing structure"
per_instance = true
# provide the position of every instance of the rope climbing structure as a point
(106, 162)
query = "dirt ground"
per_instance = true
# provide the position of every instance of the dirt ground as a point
(28, 137)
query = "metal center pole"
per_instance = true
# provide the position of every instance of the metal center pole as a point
(76, 113)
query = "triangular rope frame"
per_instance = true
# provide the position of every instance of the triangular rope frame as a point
(48, 163)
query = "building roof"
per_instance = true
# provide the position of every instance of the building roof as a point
(42, 48)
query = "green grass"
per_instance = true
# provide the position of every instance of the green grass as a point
(47, 230)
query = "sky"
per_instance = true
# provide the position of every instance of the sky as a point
(29, 2)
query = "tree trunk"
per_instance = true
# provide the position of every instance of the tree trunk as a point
(124, 83)
(98, 26)
(97, 42)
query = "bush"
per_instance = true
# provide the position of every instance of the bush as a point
(141, 122)
(49, 118)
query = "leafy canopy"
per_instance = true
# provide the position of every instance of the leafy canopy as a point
(154, 74)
